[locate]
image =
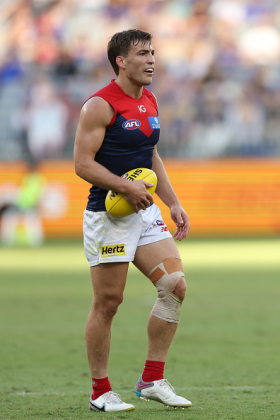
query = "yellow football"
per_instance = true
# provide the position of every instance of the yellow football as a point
(116, 204)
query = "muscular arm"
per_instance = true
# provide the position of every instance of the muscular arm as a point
(95, 116)
(167, 195)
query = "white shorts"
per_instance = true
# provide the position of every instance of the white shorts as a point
(109, 239)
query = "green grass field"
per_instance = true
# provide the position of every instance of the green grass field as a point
(225, 356)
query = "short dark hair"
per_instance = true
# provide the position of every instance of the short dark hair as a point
(121, 42)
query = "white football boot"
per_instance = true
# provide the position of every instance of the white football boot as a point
(110, 401)
(161, 391)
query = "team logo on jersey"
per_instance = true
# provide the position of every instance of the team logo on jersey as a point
(131, 124)
(154, 122)
(142, 108)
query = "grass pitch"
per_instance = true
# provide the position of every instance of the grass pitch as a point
(224, 358)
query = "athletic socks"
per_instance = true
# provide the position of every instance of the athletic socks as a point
(153, 371)
(100, 386)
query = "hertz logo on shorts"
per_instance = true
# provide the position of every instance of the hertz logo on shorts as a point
(111, 250)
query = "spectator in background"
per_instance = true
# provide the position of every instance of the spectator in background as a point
(260, 44)
(63, 39)
(245, 118)
(65, 66)
(21, 220)
(11, 68)
(45, 120)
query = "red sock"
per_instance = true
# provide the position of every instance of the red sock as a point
(100, 386)
(153, 371)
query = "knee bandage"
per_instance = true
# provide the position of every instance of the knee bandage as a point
(165, 277)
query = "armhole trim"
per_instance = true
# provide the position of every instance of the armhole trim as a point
(155, 101)
(114, 116)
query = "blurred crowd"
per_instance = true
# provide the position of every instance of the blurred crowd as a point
(217, 76)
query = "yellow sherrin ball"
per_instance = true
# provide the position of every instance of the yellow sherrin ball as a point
(115, 203)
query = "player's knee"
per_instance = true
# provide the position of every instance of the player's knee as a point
(113, 305)
(181, 288)
(168, 278)
(108, 306)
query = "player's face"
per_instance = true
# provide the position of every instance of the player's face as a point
(140, 63)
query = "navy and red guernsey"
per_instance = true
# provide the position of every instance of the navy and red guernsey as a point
(129, 138)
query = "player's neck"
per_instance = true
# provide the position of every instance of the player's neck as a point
(131, 89)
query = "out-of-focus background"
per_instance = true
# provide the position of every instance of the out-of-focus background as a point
(217, 82)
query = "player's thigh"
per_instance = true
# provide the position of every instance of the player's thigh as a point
(150, 255)
(108, 280)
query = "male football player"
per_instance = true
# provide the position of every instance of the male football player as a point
(118, 131)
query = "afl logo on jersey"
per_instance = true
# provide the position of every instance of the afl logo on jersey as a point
(131, 124)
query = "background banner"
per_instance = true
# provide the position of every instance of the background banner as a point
(222, 197)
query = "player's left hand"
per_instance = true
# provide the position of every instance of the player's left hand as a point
(181, 219)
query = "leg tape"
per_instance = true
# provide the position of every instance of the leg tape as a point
(165, 277)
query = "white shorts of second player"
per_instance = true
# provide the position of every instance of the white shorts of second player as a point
(109, 239)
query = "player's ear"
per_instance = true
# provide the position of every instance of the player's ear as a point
(120, 61)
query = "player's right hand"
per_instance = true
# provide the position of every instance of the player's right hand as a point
(138, 195)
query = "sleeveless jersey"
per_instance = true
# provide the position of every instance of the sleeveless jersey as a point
(129, 138)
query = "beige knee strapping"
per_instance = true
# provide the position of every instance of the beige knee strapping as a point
(165, 277)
